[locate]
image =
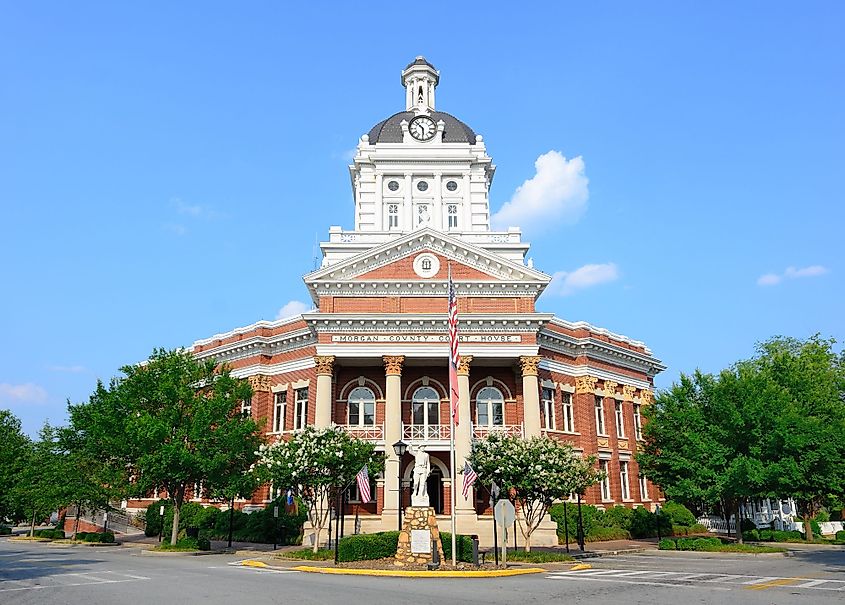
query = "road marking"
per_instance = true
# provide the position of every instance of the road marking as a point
(811, 584)
(774, 583)
(641, 582)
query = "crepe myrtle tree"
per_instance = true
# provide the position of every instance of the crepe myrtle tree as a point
(536, 471)
(315, 463)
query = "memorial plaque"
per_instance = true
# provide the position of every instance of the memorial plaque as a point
(420, 541)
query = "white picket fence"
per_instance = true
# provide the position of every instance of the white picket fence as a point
(716, 524)
(720, 526)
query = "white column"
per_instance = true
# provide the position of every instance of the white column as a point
(392, 434)
(463, 437)
(408, 209)
(530, 396)
(323, 412)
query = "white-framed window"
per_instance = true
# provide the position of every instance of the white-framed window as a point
(392, 216)
(361, 406)
(196, 493)
(620, 419)
(425, 407)
(600, 415)
(490, 407)
(643, 487)
(246, 407)
(623, 480)
(452, 216)
(280, 407)
(353, 495)
(604, 467)
(301, 409)
(638, 422)
(568, 413)
(547, 409)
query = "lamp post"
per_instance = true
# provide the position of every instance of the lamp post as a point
(399, 448)
(161, 521)
(657, 516)
(580, 525)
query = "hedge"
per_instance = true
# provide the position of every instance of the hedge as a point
(600, 534)
(52, 534)
(463, 544)
(620, 522)
(366, 547)
(93, 536)
(666, 544)
(5, 530)
(840, 536)
(700, 544)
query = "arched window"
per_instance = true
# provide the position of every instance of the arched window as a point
(425, 407)
(362, 407)
(489, 407)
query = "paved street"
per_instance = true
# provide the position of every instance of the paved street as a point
(43, 574)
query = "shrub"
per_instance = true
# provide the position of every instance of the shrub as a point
(822, 516)
(666, 544)
(678, 513)
(600, 534)
(80, 535)
(706, 543)
(154, 519)
(203, 543)
(364, 547)
(190, 515)
(590, 514)
(643, 523)
(5, 530)
(685, 543)
(747, 525)
(107, 537)
(617, 516)
(840, 536)
(462, 543)
(751, 535)
(207, 517)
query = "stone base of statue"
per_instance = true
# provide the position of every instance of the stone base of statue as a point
(418, 532)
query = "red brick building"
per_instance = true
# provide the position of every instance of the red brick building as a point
(372, 356)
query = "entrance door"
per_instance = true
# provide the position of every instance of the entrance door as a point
(435, 490)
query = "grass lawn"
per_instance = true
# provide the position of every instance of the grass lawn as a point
(306, 554)
(538, 556)
(746, 548)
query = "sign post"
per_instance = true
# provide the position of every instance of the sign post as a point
(494, 493)
(275, 526)
(504, 513)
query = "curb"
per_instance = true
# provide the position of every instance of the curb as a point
(607, 553)
(149, 552)
(391, 573)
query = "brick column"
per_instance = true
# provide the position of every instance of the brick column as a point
(323, 411)
(530, 396)
(463, 436)
(392, 433)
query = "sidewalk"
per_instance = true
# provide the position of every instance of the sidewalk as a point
(607, 548)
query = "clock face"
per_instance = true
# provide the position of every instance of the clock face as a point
(422, 128)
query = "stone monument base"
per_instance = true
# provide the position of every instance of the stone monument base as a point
(418, 531)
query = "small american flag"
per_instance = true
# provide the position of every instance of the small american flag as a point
(454, 356)
(363, 480)
(469, 479)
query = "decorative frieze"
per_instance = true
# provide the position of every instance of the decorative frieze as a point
(259, 383)
(393, 364)
(528, 364)
(585, 384)
(646, 396)
(324, 364)
(463, 366)
(610, 388)
(628, 392)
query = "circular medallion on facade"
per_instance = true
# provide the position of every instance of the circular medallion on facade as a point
(426, 265)
(393, 185)
(422, 186)
(451, 185)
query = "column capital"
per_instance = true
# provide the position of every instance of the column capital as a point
(324, 364)
(393, 364)
(610, 388)
(463, 367)
(585, 384)
(628, 392)
(646, 396)
(529, 364)
(259, 383)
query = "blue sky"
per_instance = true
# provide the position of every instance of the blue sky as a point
(165, 169)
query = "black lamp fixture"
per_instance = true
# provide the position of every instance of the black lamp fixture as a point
(399, 448)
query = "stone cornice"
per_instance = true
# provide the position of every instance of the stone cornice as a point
(583, 325)
(426, 322)
(260, 345)
(593, 372)
(599, 350)
(426, 288)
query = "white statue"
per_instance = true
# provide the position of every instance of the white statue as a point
(422, 469)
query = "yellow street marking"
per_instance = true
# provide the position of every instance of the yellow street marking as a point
(774, 583)
(580, 566)
(249, 563)
(420, 574)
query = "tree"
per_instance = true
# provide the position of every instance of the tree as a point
(38, 487)
(316, 463)
(805, 445)
(170, 423)
(535, 471)
(15, 447)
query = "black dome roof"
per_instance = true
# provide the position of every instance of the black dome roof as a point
(390, 131)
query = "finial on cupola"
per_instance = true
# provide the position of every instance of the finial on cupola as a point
(420, 78)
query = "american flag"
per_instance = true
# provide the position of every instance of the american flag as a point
(363, 480)
(469, 479)
(454, 356)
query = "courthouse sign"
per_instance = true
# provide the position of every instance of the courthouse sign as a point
(424, 338)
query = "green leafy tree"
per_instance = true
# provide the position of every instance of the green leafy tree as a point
(170, 423)
(535, 471)
(39, 485)
(316, 463)
(15, 446)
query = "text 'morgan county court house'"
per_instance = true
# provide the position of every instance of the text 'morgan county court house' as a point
(372, 357)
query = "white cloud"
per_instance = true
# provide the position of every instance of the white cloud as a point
(22, 393)
(773, 279)
(291, 308)
(565, 283)
(557, 192)
(68, 369)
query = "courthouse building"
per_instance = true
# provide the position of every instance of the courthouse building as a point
(372, 357)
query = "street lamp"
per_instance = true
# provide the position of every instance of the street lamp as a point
(657, 516)
(399, 448)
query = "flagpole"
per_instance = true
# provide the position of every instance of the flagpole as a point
(453, 472)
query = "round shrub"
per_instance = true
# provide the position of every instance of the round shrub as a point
(706, 543)
(751, 535)
(618, 516)
(643, 523)
(666, 544)
(840, 536)
(365, 547)
(203, 543)
(678, 513)
(107, 537)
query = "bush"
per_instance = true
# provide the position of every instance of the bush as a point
(154, 519)
(260, 526)
(365, 547)
(5, 530)
(617, 516)
(643, 523)
(751, 535)
(747, 525)
(50, 534)
(666, 544)
(706, 543)
(207, 518)
(678, 513)
(685, 543)
(840, 536)
(462, 543)
(822, 516)
(203, 543)
(600, 534)
(590, 514)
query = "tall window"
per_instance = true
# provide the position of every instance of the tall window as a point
(425, 407)
(489, 407)
(605, 483)
(568, 415)
(638, 422)
(301, 409)
(547, 409)
(643, 488)
(246, 407)
(600, 415)
(623, 480)
(280, 402)
(620, 419)
(362, 407)
(452, 215)
(393, 216)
